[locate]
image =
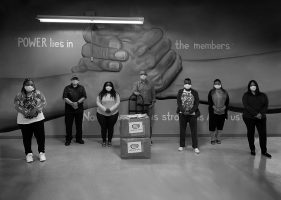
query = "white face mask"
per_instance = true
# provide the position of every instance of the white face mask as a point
(74, 82)
(108, 88)
(253, 88)
(29, 88)
(217, 86)
(142, 77)
(187, 86)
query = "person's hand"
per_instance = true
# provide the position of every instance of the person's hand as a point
(126, 51)
(259, 116)
(32, 113)
(108, 110)
(75, 105)
(137, 93)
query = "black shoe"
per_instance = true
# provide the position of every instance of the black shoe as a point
(67, 143)
(253, 153)
(109, 144)
(218, 141)
(213, 142)
(103, 144)
(80, 141)
(267, 155)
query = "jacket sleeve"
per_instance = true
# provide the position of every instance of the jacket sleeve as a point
(135, 87)
(247, 105)
(210, 99)
(226, 105)
(179, 102)
(196, 102)
(42, 102)
(18, 105)
(263, 110)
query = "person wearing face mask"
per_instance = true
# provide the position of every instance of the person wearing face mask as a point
(218, 101)
(146, 89)
(29, 103)
(188, 102)
(108, 102)
(254, 115)
(74, 95)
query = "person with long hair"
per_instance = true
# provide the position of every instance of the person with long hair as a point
(30, 103)
(254, 115)
(108, 102)
(218, 101)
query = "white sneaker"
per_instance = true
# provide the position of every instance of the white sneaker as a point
(29, 157)
(180, 149)
(196, 150)
(42, 157)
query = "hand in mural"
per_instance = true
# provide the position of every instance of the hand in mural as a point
(128, 51)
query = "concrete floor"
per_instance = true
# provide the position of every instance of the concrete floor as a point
(79, 172)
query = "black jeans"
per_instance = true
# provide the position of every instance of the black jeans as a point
(192, 120)
(69, 117)
(107, 125)
(261, 127)
(36, 128)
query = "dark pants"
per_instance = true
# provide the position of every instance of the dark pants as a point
(107, 125)
(261, 127)
(36, 128)
(149, 111)
(69, 117)
(192, 120)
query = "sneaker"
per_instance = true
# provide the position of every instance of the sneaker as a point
(267, 155)
(103, 144)
(42, 157)
(80, 141)
(196, 150)
(213, 142)
(29, 158)
(180, 149)
(218, 141)
(109, 144)
(253, 153)
(67, 142)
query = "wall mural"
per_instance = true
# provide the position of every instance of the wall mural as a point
(169, 52)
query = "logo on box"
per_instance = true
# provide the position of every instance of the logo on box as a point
(135, 127)
(134, 147)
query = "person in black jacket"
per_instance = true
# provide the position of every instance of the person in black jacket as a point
(188, 102)
(218, 101)
(254, 115)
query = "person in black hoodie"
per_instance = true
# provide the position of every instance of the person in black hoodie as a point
(188, 102)
(254, 115)
(218, 101)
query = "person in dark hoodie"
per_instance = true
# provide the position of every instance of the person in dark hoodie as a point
(218, 101)
(254, 115)
(188, 102)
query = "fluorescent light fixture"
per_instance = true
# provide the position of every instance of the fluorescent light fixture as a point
(90, 19)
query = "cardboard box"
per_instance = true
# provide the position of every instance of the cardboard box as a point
(134, 126)
(135, 148)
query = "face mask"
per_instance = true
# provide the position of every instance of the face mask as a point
(217, 86)
(253, 88)
(187, 86)
(29, 88)
(143, 77)
(75, 82)
(108, 88)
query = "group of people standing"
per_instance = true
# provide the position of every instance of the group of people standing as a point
(254, 115)
(30, 102)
